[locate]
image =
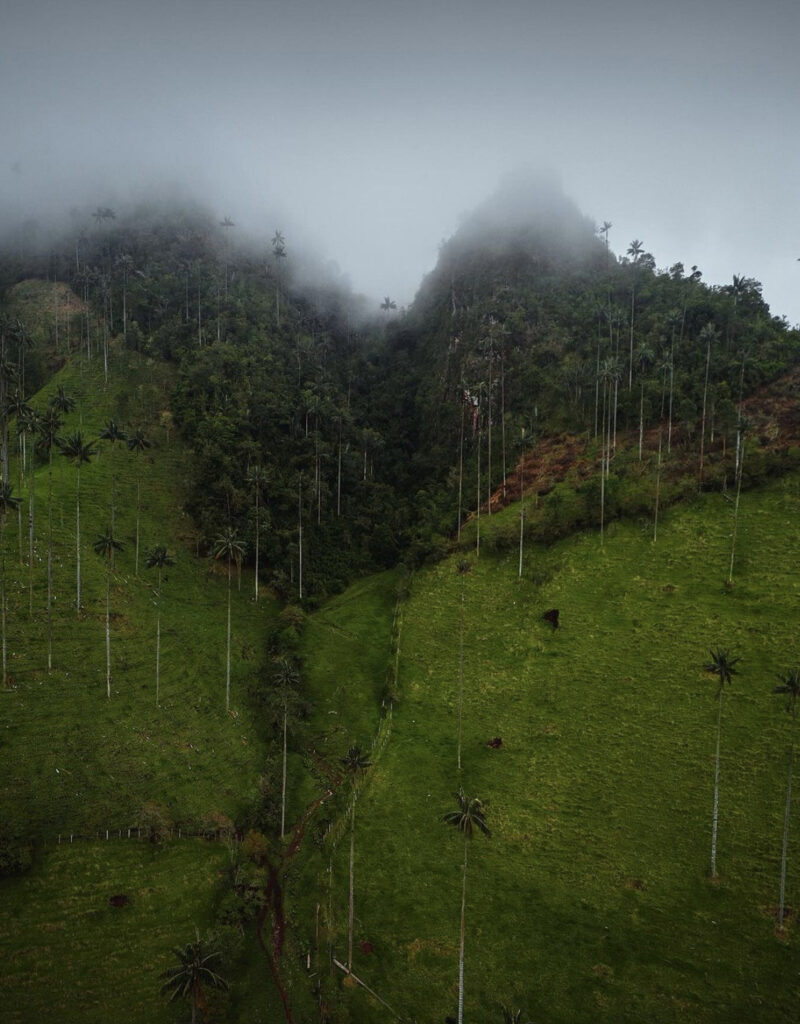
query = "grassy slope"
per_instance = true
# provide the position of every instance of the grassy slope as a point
(65, 949)
(73, 761)
(591, 899)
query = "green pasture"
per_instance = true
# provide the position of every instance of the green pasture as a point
(65, 950)
(591, 901)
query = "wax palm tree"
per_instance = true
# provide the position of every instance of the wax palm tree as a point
(645, 358)
(105, 546)
(113, 433)
(511, 1016)
(709, 335)
(464, 568)
(7, 504)
(18, 408)
(722, 666)
(354, 763)
(49, 427)
(286, 678)
(158, 559)
(195, 971)
(138, 443)
(77, 451)
(61, 401)
(30, 423)
(229, 547)
(257, 478)
(635, 250)
(278, 253)
(790, 685)
(466, 818)
(124, 263)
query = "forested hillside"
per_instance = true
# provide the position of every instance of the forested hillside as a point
(272, 551)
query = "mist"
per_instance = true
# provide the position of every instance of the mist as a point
(368, 132)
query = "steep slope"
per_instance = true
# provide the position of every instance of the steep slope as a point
(591, 900)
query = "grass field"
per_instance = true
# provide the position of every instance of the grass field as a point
(66, 951)
(74, 761)
(591, 900)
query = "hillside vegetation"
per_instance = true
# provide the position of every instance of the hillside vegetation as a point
(361, 517)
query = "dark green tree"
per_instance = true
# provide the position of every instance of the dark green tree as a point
(468, 816)
(196, 969)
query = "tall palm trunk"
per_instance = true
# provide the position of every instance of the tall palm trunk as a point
(3, 596)
(283, 770)
(78, 537)
(786, 817)
(31, 520)
(703, 419)
(158, 640)
(460, 470)
(715, 817)
(350, 906)
(257, 545)
(462, 937)
(228, 657)
(460, 669)
(50, 562)
(138, 511)
(108, 630)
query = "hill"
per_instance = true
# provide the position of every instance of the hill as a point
(367, 519)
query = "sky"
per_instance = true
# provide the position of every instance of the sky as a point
(368, 129)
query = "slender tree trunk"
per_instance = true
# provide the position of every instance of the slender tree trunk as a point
(786, 818)
(703, 419)
(158, 655)
(658, 489)
(521, 510)
(503, 417)
(462, 937)
(300, 536)
(138, 511)
(228, 654)
(3, 598)
(257, 540)
(31, 519)
(478, 511)
(715, 817)
(735, 519)
(350, 908)
(108, 632)
(50, 562)
(460, 470)
(78, 537)
(283, 773)
(461, 669)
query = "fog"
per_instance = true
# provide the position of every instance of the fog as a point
(368, 130)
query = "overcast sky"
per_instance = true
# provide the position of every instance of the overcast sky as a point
(368, 128)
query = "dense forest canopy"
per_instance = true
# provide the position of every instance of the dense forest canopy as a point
(346, 431)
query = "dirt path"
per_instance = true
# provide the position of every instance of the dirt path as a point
(273, 897)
